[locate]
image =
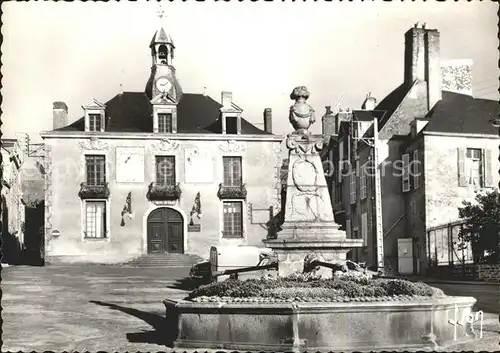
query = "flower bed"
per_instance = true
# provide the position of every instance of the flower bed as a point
(304, 288)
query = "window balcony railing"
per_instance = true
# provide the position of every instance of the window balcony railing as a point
(232, 191)
(163, 192)
(88, 191)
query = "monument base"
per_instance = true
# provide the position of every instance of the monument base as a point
(292, 252)
(313, 230)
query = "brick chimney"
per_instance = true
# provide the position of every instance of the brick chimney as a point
(328, 123)
(268, 120)
(422, 62)
(59, 115)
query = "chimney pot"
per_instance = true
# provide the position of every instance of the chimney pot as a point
(328, 109)
(268, 120)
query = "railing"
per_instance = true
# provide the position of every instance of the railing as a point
(232, 192)
(88, 191)
(163, 192)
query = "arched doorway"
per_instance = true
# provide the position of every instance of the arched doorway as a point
(165, 231)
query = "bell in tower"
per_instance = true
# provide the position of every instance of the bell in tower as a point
(162, 79)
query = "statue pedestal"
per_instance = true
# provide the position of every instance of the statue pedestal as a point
(309, 225)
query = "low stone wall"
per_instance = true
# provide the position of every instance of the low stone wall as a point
(396, 323)
(490, 273)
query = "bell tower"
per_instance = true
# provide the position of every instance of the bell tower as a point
(162, 80)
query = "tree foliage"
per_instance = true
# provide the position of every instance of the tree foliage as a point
(482, 226)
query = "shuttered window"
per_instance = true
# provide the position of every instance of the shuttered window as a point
(475, 168)
(405, 178)
(352, 188)
(364, 228)
(362, 183)
(416, 170)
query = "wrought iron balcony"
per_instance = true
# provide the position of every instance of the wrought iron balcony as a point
(232, 192)
(163, 192)
(94, 191)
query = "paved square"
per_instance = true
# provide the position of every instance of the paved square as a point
(86, 308)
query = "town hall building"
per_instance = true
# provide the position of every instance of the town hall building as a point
(158, 171)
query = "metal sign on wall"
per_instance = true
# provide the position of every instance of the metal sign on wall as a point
(194, 227)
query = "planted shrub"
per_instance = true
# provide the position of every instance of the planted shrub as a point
(400, 287)
(308, 287)
(301, 292)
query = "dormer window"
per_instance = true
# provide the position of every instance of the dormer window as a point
(165, 122)
(94, 122)
(95, 113)
(231, 125)
(230, 115)
(164, 114)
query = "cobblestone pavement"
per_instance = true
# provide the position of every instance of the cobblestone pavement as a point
(99, 308)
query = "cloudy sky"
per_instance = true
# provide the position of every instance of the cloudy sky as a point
(260, 51)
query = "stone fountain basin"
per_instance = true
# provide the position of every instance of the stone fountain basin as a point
(322, 326)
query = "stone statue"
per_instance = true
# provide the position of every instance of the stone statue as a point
(301, 113)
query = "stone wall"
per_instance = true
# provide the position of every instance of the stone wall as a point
(490, 273)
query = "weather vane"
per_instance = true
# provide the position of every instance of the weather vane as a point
(161, 12)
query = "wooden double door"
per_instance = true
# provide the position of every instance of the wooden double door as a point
(165, 231)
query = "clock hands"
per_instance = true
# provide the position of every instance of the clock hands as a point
(127, 159)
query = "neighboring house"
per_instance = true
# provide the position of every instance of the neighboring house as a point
(158, 171)
(12, 205)
(22, 203)
(431, 118)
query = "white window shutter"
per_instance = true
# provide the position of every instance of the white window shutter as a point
(352, 187)
(488, 169)
(364, 228)
(362, 183)
(462, 177)
(416, 169)
(405, 179)
(348, 228)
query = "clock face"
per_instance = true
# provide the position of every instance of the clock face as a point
(163, 84)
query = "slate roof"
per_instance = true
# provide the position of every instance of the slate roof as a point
(460, 113)
(132, 112)
(161, 37)
(391, 102)
(369, 115)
